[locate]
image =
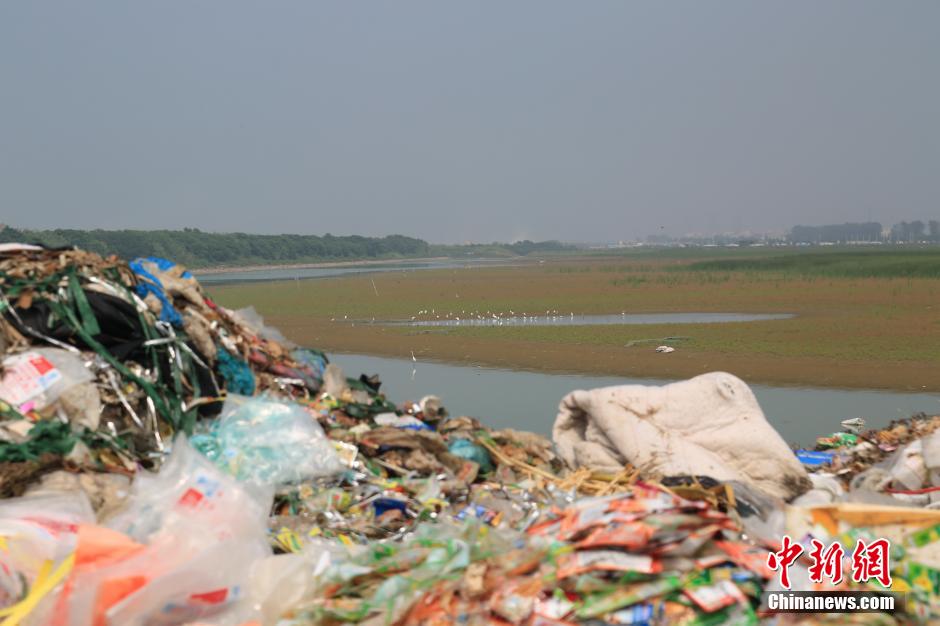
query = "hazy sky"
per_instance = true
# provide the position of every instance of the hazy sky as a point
(468, 121)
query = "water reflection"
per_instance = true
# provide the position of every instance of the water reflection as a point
(529, 400)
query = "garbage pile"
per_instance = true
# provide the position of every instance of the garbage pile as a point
(165, 460)
(645, 555)
(136, 348)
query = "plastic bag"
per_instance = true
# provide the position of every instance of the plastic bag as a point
(268, 442)
(211, 583)
(409, 422)
(313, 361)
(251, 319)
(38, 533)
(182, 550)
(282, 582)
(185, 573)
(189, 485)
(466, 449)
(35, 379)
(163, 279)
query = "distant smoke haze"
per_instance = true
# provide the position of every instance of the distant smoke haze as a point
(536, 119)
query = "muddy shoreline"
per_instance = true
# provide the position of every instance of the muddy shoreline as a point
(637, 362)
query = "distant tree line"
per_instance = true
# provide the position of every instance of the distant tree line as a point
(489, 250)
(850, 232)
(837, 233)
(916, 231)
(195, 248)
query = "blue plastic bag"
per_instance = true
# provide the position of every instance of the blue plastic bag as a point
(150, 284)
(812, 458)
(466, 449)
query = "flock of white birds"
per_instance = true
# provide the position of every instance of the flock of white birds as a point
(482, 316)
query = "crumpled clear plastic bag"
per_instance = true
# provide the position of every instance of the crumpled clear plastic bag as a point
(182, 550)
(189, 485)
(39, 533)
(251, 319)
(211, 584)
(268, 442)
(282, 582)
(186, 571)
(40, 377)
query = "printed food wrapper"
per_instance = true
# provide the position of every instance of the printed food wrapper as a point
(26, 376)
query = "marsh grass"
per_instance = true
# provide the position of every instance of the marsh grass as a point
(868, 318)
(890, 263)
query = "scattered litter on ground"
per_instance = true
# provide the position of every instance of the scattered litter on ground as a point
(164, 460)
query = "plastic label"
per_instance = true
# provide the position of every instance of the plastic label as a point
(191, 498)
(206, 489)
(26, 376)
(196, 606)
(711, 598)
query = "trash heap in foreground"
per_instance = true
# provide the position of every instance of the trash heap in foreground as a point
(164, 460)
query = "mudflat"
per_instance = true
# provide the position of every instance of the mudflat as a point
(862, 319)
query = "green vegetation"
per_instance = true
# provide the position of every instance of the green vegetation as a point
(495, 250)
(864, 317)
(195, 248)
(888, 263)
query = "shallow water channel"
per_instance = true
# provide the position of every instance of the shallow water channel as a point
(306, 273)
(529, 400)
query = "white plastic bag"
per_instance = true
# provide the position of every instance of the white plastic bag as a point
(212, 584)
(189, 485)
(198, 532)
(35, 379)
(184, 573)
(252, 320)
(38, 533)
